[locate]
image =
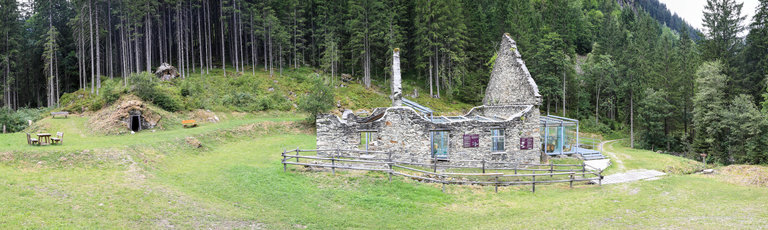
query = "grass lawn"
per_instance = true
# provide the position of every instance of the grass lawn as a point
(627, 159)
(236, 181)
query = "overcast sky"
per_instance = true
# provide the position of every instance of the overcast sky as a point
(692, 11)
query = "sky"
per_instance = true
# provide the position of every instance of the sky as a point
(692, 11)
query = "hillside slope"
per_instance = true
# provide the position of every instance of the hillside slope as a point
(246, 92)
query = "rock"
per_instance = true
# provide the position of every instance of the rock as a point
(707, 171)
(194, 142)
(271, 89)
(132, 132)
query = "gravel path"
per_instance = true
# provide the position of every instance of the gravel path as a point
(632, 175)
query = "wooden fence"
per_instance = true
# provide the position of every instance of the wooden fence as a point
(521, 174)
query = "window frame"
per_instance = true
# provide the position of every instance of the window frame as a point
(368, 136)
(498, 136)
(446, 137)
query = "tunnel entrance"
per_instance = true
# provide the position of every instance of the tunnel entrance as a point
(135, 123)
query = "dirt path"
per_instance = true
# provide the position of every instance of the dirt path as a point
(625, 176)
(619, 164)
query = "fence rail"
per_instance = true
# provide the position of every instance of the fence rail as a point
(528, 175)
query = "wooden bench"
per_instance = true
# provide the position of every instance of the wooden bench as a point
(53, 114)
(189, 123)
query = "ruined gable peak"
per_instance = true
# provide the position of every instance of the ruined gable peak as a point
(510, 82)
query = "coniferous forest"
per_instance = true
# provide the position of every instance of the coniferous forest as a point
(620, 66)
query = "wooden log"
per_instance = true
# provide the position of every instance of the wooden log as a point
(340, 167)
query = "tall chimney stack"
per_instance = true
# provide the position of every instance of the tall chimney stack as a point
(397, 87)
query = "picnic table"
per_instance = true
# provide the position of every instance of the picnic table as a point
(44, 136)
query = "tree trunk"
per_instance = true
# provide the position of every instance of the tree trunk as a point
(264, 34)
(90, 26)
(179, 43)
(200, 40)
(98, 53)
(563, 90)
(148, 42)
(109, 43)
(631, 120)
(254, 54)
(223, 56)
(430, 78)
(597, 104)
(234, 35)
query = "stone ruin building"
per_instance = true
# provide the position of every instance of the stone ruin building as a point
(504, 129)
(166, 72)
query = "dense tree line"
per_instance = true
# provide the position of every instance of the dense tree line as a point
(619, 65)
(660, 12)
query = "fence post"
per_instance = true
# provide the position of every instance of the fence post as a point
(533, 189)
(583, 169)
(297, 154)
(571, 179)
(434, 160)
(284, 165)
(484, 168)
(333, 165)
(497, 184)
(442, 180)
(551, 169)
(390, 171)
(600, 180)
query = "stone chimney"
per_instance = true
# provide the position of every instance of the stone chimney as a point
(397, 87)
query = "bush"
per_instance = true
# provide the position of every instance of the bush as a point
(241, 101)
(111, 89)
(16, 121)
(163, 94)
(319, 100)
(80, 101)
(274, 101)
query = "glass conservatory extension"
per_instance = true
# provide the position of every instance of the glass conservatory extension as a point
(560, 136)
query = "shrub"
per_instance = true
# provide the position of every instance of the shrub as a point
(274, 101)
(163, 94)
(16, 121)
(80, 101)
(111, 89)
(319, 100)
(241, 101)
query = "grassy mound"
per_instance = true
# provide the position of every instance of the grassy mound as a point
(246, 92)
(114, 119)
(745, 174)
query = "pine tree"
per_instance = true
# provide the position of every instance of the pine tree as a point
(365, 24)
(756, 51)
(723, 23)
(708, 104)
(547, 67)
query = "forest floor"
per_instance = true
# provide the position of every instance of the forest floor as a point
(235, 180)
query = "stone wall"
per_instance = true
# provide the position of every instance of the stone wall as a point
(404, 133)
(510, 82)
